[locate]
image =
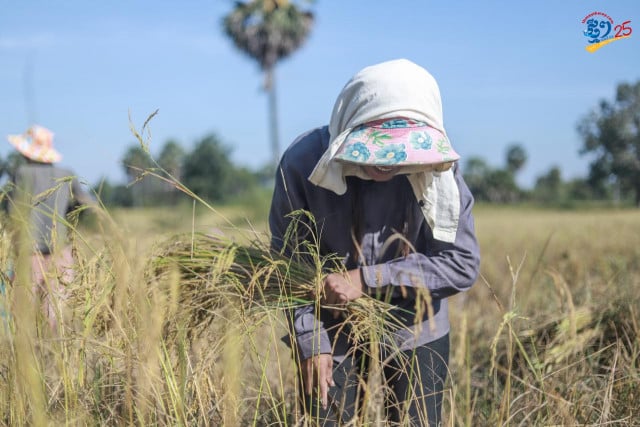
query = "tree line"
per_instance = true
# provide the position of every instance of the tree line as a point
(207, 171)
(610, 134)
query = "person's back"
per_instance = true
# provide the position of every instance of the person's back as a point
(49, 192)
(41, 196)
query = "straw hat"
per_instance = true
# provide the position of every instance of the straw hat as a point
(36, 144)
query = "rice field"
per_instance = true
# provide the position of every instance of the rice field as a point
(548, 335)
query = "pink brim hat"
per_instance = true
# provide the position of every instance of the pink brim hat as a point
(396, 142)
(36, 144)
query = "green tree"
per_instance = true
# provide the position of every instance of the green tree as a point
(171, 159)
(135, 162)
(488, 184)
(516, 157)
(143, 188)
(579, 189)
(113, 195)
(501, 187)
(475, 175)
(207, 170)
(611, 134)
(548, 188)
(268, 31)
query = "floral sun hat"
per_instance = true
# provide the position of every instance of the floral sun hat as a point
(397, 142)
(36, 144)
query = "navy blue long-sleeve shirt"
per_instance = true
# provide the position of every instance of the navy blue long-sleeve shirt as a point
(382, 210)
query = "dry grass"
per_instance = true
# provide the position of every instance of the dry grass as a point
(549, 336)
(564, 288)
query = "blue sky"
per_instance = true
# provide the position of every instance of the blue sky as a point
(508, 72)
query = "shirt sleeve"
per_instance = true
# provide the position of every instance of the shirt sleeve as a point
(289, 196)
(447, 269)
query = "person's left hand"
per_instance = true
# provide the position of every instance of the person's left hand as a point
(340, 288)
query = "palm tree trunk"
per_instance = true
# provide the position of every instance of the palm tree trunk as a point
(270, 87)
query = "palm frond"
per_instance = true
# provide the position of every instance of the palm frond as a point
(268, 34)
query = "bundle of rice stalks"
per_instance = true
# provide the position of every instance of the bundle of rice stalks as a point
(211, 271)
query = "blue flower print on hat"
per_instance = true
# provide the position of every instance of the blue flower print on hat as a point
(395, 123)
(420, 140)
(358, 132)
(391, 154)
(398, 141)
(357, 152)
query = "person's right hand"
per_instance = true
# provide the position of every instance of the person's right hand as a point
(317, 374)
(340, 288)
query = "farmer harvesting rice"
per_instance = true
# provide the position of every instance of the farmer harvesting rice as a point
(383, 185)
(45, 192)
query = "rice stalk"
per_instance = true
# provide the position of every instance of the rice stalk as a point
(213, 268)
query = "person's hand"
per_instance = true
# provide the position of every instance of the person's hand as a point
(317, 373)
(340, 288)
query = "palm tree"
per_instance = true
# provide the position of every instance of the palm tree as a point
(516, 157)
(268, 31)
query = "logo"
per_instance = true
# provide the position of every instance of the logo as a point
(601, 30)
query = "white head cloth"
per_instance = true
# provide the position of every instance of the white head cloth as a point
(397, 88)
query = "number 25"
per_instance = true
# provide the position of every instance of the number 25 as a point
(622, 30)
